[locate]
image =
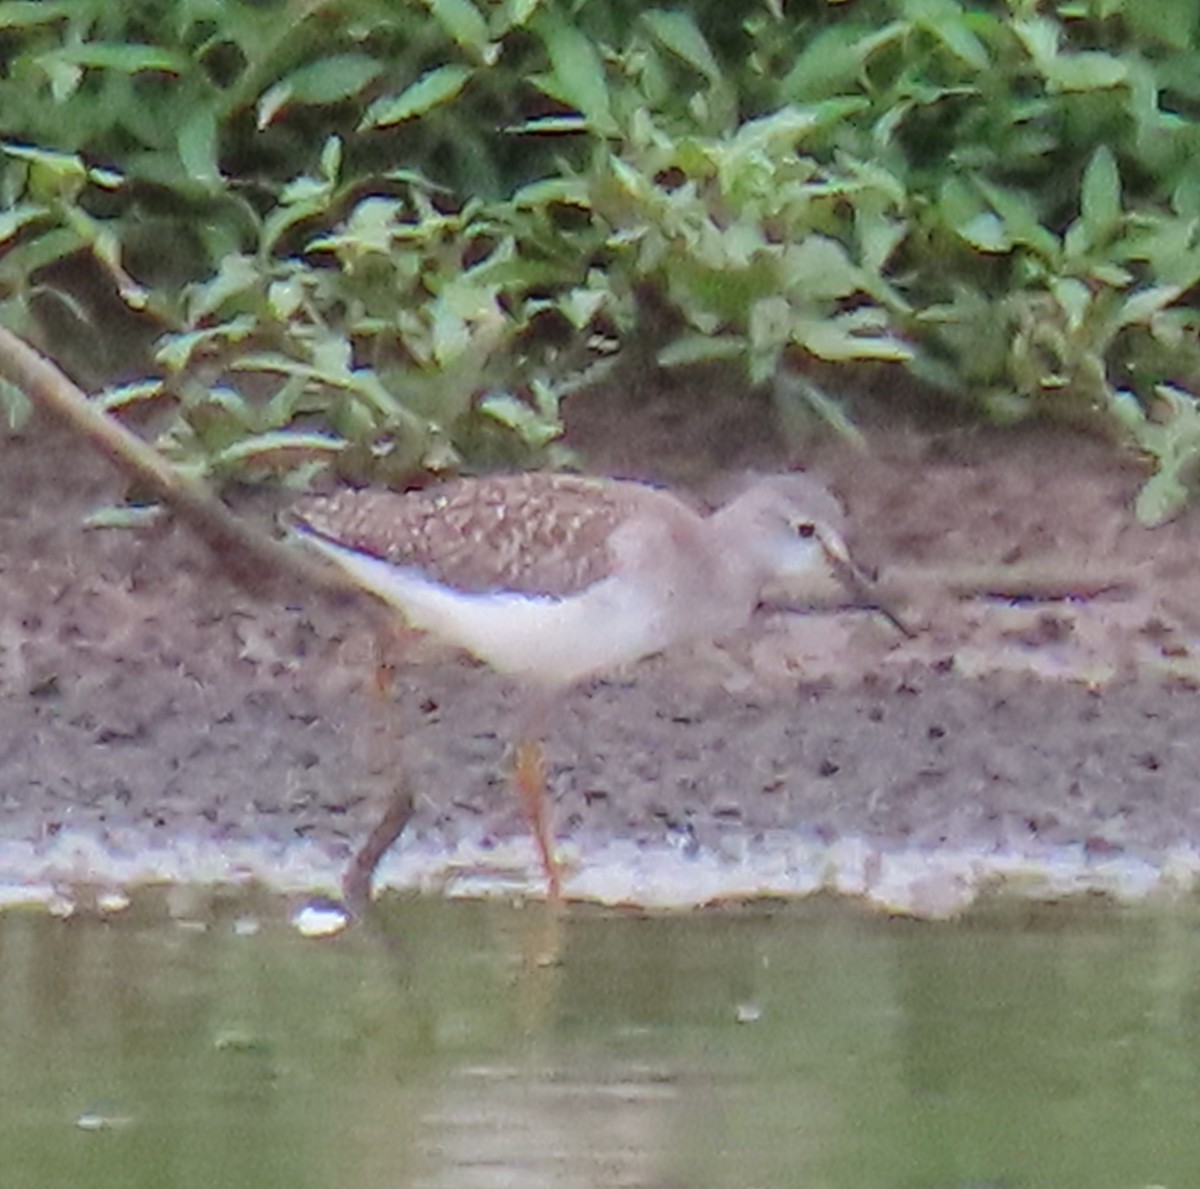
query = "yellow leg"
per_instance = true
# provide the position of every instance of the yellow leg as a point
(530, 779)
(356, 882)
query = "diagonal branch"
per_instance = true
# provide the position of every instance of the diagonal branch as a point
(252, 557)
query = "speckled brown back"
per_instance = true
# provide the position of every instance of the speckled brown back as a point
(535, 533)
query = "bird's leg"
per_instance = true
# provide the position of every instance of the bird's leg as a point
(356, 882)
(392, 642)
(529, 776)
(388, 638)
(529, 779)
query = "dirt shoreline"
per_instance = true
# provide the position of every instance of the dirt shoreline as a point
(152, 714)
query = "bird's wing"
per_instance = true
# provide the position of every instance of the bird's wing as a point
(530, 534)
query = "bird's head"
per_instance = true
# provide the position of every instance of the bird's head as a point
(796, 529)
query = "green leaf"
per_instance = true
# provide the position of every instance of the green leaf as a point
(52, 175)
(197, 146)
(65, 77)
(237, 275)
(333, 359)
(16, 217)
(580, 306)
(260, 446)
(27, 256)
(130, 58)
(1091, 71)
(578, 77)
(326, 81)
(680, 34)
(548, 126)
(1100, 195)
(18, 14)
(466, 25)
(770, 323)
(878, 237)
(1019, 216)
(129, 516)
(520, 11)
(546, 191)
(1161, 499)
(986, 231)
(958, 203)
(700, 348)
(531, 425)
(1040, 36)
(331, 158)
(129, 394)
(270, 103)
(1128, 410)
(174, 352)
(372, 226)
(786, 125)
(330, 80)
(842, 338)
(834, 60)
(451, 333)
(109, 179)
(819, 268)
(17, 407)
(1112, 275)
(945, 20)
(1143, 305)
(432, 89)
(285, 297)
(1074, 298)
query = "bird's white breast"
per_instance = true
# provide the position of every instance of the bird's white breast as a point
(543, 640)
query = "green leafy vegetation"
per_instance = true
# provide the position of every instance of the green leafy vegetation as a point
(386, 236)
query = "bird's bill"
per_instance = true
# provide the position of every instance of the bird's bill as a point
(862, 585)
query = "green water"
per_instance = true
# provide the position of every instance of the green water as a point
(466, 1045)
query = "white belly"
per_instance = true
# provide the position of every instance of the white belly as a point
(542, 640)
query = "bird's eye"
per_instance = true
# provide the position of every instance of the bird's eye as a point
(806, 530)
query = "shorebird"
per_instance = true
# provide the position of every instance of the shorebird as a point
(553, 579)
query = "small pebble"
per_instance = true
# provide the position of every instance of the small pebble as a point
(320, 920)
(112, 902)
(60, 906)
(94, 1121)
